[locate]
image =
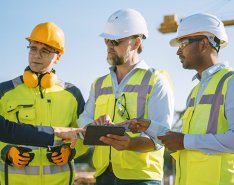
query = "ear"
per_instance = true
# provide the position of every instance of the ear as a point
(137, 43)
(204, 44)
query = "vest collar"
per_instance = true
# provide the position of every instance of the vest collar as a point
(209, 72)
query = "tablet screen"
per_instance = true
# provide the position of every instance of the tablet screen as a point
(94, 132)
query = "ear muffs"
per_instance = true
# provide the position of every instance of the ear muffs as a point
(48, 80)
(32, 79)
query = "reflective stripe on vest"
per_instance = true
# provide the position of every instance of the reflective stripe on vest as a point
(215, 100)
(29, 170)
(35, 170)
(142, 92)
(17, 81)
(99, 90)
(53, 169)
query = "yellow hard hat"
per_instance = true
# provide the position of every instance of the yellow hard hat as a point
(50, 34)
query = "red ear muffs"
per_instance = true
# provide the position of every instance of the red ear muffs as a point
(32, 80)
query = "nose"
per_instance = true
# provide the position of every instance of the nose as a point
(179, 51)
(109, 43)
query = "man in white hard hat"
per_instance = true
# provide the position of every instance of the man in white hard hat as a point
(205, 150)
(131, 91)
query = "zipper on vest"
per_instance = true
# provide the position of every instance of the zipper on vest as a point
(110, 156)
(41, 93)
(180, 170)
(113, 117)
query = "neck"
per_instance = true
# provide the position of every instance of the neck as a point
(124, 69)
(208, 61)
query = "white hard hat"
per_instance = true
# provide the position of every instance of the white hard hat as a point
(201, 24)
(125, 23)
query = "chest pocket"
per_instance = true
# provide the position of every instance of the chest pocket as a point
(102, 106)
(21, 110)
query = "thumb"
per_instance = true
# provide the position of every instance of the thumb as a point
(78, 130)
(73, 143)
(124, 123)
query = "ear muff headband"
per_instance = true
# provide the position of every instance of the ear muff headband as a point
(32, 79)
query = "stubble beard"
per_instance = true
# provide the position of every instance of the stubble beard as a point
(115, 60)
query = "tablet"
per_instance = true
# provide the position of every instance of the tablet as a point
(94, 132)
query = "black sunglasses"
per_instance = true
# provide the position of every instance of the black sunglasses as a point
(116, 42)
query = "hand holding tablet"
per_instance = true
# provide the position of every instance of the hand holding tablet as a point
(94, 132)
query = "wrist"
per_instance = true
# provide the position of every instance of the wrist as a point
(57, 131)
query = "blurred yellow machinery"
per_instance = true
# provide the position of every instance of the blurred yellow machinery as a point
(170, 24)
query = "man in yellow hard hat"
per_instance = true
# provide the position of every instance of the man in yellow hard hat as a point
(131, 90)
(39, 97)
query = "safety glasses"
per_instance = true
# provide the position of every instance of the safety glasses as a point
(183, 43)
(116, 42)
(43, 52)
(122, 107)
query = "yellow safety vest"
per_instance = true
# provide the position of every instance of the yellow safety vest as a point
(57, 106)
(194, 167)
(127, 164)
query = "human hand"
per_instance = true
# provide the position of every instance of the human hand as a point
(68, 134)
(19, 156)
(137, 125)
(103, 120)
(173, 141)
(117, 142)
(60, 155)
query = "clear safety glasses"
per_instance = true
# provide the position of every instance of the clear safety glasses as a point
(183, 43)
(122, 107)
(43, 52)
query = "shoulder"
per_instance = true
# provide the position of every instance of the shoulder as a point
(231, 82)
(99, 81)
(9, 85)
(74, 90)
(101, 78)
(163, 78)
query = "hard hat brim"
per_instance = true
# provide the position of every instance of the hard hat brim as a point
(109, 36)
(174, 42)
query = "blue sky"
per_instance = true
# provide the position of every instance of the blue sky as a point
(85, 52)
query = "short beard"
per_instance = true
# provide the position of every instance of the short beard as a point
(115, 61)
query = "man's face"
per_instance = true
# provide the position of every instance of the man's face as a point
(118, 51)
(42, 57)
(189, 52)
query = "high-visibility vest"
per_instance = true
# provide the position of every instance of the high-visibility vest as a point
(194, 167)
(127, 164)
(58, 107)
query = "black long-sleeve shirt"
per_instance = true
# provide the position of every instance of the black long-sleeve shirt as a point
(25, 134)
